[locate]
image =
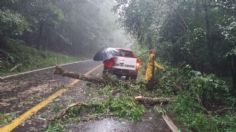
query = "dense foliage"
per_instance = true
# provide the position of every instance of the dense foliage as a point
(203, 103)
(17, 57)
(121, 107)
(198, 33)
(198, 38)
(70, 26)
(12, 24)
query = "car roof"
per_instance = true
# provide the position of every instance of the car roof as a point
(124, 49)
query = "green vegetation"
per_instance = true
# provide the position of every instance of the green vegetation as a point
(56, 126)
(72, 27)
(196, 33)
(67, 27)
(121, 107)
(11, 24)
(196, 40)
(203, 103)
(25, 58)
(5, 118)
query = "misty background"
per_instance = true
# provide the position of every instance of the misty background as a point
(74, 27)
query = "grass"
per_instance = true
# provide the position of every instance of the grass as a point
(121, 107)
(199, 97)
(5, 118)
(56, 126)
(29, 58)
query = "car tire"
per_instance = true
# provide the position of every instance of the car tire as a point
(105, 74)
(127, 77)
(118, 76)
(134, 77)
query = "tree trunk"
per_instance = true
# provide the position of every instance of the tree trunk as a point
(40, 35)
(233, 69)
(3, 42)
(152, 101)
(101, 81)
(208, 38)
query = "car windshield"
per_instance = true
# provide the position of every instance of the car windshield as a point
(126, 53)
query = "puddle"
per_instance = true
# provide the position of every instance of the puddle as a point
(104, 125)
(149, 123)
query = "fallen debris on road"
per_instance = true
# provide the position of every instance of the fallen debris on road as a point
(102, 81)
(152, 101)
(65, 111)
(62, 72)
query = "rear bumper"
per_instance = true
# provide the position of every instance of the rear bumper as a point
(120, 72)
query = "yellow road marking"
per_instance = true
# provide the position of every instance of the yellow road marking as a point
(16, 122)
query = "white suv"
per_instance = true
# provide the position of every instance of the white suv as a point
(124, 64)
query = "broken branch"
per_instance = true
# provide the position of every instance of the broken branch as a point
(152, 101)
(103, 81)
(62, 72)
(65, 111)
(15, 67)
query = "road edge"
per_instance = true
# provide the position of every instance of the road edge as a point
(41, 69)
(170, 123)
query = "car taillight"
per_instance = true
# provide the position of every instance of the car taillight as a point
(109, 63)
(138, 64)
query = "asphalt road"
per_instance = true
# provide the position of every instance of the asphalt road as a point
(20, 93)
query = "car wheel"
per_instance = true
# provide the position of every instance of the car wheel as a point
(118, 76)
(134, 77)
(105, 74)
(127, 77)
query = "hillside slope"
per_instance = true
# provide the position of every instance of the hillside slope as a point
(17, 57)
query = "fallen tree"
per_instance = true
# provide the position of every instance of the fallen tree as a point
(153, 101)
(76, 106)
(107, 79)
(146, 101)
(64, 73)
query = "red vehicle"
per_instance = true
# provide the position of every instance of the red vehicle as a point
(124, 64)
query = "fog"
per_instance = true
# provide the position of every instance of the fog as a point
(91, 25)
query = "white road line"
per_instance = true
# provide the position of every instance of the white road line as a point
(23, 73)
(170, 123)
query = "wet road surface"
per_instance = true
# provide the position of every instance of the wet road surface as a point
(18, 94)
(149, 123)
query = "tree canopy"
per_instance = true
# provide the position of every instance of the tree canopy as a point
(69, 26)
(199, 33)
